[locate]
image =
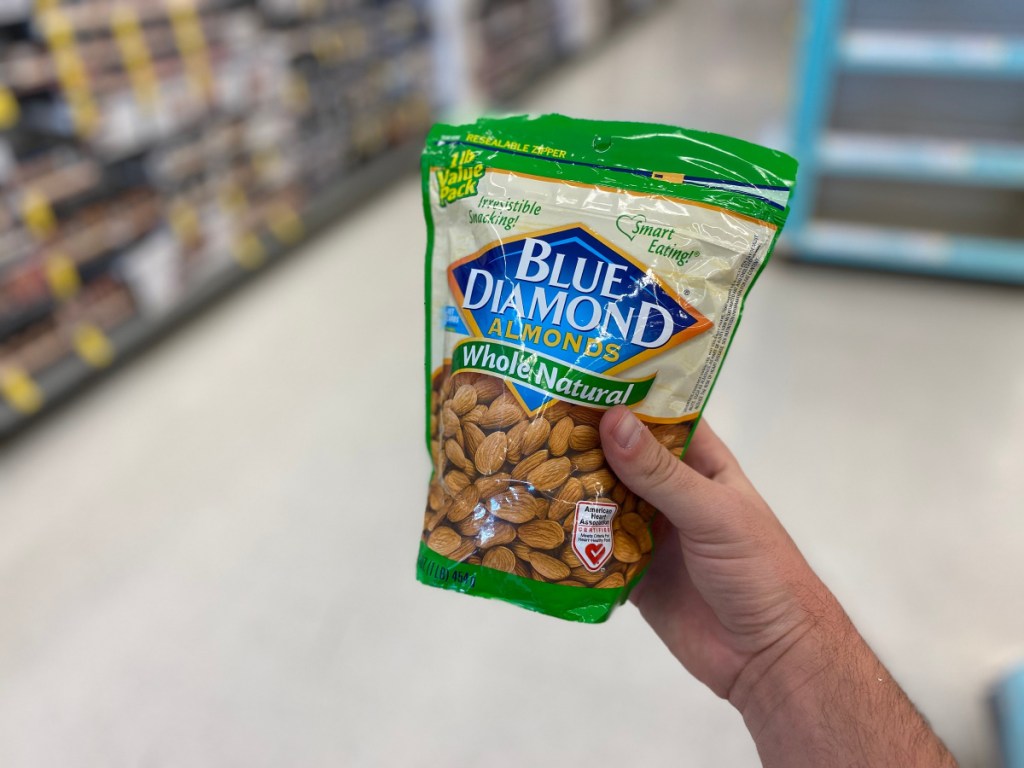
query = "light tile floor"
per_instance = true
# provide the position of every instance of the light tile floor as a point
(208, 561)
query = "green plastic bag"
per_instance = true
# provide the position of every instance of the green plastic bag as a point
(573, 265)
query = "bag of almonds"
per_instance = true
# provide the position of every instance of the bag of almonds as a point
(573, 265)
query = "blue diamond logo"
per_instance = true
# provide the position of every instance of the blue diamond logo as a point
(570, 295)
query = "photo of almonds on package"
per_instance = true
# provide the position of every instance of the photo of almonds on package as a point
(573, 266)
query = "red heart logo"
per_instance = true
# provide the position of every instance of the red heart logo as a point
(595, 552)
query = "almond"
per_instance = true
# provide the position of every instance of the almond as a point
(597, 483)
(474, 416)
(556, 411)
(515, 506)
(464, 399)
(490, 455)
(672, 436)
(475, 523)
(472, 437)
(624, 548)
(633, 571)
(611, 581)
(542, 534)
(515, 441)
(584, 437)
(464, 503)
(569, 558)
(435, 496)
(619, 494)
(502, 413)
(434, 519)
(455, 481)
(520, 550)
(548, 567)
(582, 574)
(444, 540)
(489, 486)
(488, 389)
(535, 435)
(570, 583)
(456, 455)
(588, 416)
(629, 503)
(500, 559)
(449, 421)
(549, 475)
(527, 465)
(464, 550)
(494, 533)
(522, 569)
(588, 461)
(558, 440)
(635, 526)
(565, 502)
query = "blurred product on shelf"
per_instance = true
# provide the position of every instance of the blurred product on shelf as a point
(154, 153)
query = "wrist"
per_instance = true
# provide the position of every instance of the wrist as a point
(821, 696)
(780, 681)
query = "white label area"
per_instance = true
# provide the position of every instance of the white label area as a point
(592, 533)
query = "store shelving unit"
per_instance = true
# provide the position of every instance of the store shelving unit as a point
(159, 154)
(70, 373)
(911, 138)
(154, 156)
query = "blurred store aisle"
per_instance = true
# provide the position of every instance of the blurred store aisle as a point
(208, 561)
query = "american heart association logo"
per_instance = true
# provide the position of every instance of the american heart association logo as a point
(595, 552)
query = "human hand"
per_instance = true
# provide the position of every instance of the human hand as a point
(726, 583)
(734, 600)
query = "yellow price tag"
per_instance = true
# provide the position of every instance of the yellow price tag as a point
(124, 23)
(57, 28)
(93, 346)
(298, 93)
(62, 277)
(20, 391)
(285, 223)
(191, 42)
(9, 109)
(70, 69)
(184, 221)
(84, 113)
(37, 214)
(263, 161)
(233, 198)
(249, 251)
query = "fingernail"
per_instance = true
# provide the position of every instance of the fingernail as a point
(627, 431)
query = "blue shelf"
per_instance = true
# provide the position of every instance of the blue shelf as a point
(956, 55)
(831, 47)
(1008, 704)
(904, 250)
(922, 159)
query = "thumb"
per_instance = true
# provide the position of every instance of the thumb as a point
(701, 509)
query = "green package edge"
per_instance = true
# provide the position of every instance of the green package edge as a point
(616, 154)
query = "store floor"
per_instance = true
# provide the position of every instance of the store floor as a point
(208, 560)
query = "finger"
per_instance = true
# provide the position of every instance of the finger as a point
(712, 458)
(707, 453)
(693, 503)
